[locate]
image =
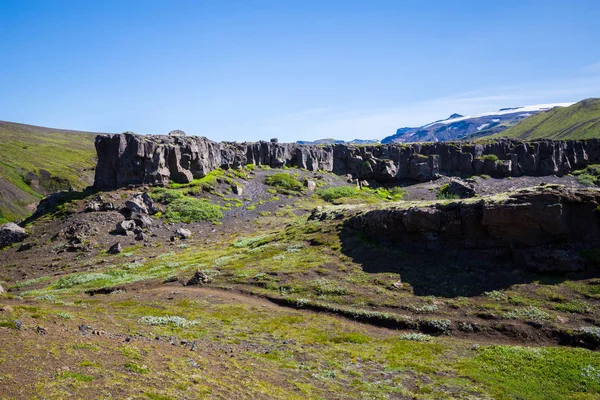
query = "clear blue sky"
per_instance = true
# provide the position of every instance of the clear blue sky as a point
(249, 70)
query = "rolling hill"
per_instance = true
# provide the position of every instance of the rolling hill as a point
(578, 121)
(36, 161)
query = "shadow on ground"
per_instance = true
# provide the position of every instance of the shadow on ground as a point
(440, 273)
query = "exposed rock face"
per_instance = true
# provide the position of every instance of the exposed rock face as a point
(128, 159)
(11, 233)
(546, 228)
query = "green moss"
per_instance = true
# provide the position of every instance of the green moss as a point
(284, 181)
(189, 209)
(513, 372)
(75, 376)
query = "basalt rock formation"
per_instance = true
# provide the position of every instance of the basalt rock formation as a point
(545, 228)
(129, 159)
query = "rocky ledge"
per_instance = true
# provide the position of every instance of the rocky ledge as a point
(129, 159)
(545, 228)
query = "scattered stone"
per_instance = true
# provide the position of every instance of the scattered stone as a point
(143, 221)
(311, 185)
(115, 248)
(19, 324)
(183, 233)
(398, 284)
(41, 330)
(25, 247)
(199, 278)
(125, 227)
(108, 206)
(238, 190)
(92, 206)
(1, 289)
(136, 206)
(194, 346)
(11, 233)
(561, 320)
(141, 236)
(460, 188)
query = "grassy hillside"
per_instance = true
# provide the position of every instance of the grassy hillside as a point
(579, 121)
(36, 161)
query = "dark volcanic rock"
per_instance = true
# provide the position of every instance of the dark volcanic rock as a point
(460, 188)
(11, 233)
(129, 159)
(545, 228)
(125, 227)
(115, 248)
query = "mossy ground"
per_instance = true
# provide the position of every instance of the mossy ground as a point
(290, 312)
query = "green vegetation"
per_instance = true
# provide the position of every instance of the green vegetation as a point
(490, 157)
(36, 161)
(579, 121)
(536, 373)
(443, 193)
(166, 196)
(589, 176)
(75, 376)
(190, 209)
(353, 195)
(284, 183)
(335, 193)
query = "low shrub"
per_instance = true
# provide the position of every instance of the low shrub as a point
(166, 196)
(334, 193)
(284, 181)
(190, 209)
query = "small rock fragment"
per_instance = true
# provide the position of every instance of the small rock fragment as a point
(115, 248)
(199, 278)
(183, 233)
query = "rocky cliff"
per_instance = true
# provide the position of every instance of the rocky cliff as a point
(127, 159)
(544, 228)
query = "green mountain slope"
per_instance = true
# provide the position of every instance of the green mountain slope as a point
(36, 161)
(579, 121)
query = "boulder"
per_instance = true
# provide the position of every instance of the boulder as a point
(125, 227)
(11, 233)
(141, 236)
(183, 233)
(115, 248)
(199, 278)
(238, 190)
(460, 188)
(92, 206)
(311, 185)
(177, 133)
(142, 221)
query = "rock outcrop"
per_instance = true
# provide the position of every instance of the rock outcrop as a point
(11, 233)
(545, 228)
(129, 159)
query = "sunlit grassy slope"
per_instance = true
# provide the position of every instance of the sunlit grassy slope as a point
(579, 121)
(35, 161)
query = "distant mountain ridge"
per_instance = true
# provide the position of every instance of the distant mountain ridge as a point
(458, 126)
(578, 121)
(337, 141)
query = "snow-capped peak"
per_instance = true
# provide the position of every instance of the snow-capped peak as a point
(504, 111)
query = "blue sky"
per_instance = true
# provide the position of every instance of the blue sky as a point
(250, 70)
